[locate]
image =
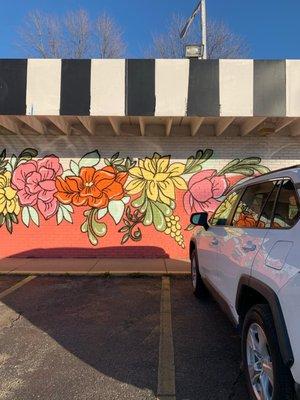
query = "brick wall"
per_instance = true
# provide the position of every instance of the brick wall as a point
(154, 238)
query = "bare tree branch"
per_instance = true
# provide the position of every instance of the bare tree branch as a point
(221, 41)
(109, 38)
(73, 35)
(78, 34)
(41, 35)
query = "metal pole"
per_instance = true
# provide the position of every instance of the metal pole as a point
(203, 28)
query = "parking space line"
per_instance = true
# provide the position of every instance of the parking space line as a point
(166, 365)
(16, 286)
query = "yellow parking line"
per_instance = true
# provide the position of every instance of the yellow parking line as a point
(16, 286)
(166, 365)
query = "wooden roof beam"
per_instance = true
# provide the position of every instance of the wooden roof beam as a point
(223, 124)
(196, 124)
(9, 124)
(61, 124)
(116, 124)
(251, 124)
(33, 122)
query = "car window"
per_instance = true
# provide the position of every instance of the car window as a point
(251, 205)
(287, 208)
(268, 210)
(222, 213)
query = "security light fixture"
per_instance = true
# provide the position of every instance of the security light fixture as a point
(194, 51)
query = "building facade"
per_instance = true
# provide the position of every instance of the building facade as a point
(108, 158)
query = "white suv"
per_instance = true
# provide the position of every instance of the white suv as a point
(248, 255)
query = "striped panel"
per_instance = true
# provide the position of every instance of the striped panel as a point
(140, 87)
(236, 88)
(108, 87)
(13, 76)
(203, 97)
(171, 87)
(75, 87)
(269, 88)
(43, 87)
(293, 88)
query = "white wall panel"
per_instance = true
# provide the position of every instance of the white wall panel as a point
(108, 87)
(171, 87)
(43, 87)
(293, 88)
(236, 88)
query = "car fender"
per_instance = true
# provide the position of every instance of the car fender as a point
(273, 301)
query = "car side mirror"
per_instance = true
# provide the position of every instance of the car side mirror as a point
(200, 219)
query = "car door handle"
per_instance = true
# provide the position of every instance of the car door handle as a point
(249, 247)
(214, 242)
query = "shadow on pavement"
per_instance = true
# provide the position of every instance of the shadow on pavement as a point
(91, 338)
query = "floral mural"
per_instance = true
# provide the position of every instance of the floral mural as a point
(134, 194)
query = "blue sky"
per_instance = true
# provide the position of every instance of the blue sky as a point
(272, 28)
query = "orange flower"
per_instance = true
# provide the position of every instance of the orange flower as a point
(248, 221)
(91, 188)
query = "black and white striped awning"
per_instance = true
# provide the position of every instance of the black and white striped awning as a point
(229, 88)
(45, 95)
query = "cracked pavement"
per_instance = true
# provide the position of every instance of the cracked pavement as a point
(98, 338)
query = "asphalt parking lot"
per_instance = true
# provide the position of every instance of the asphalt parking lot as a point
(100, 338)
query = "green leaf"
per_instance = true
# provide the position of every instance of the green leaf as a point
(2, 219)
(25, 216)
(84, 227)
(14, 218)
(90, 159)
(125, 238)
(93, 240)
(137, 203)
(99, 229)
(144, 207)
(102, 212)
(28, 153)
(208, 153)
(115, 156)
(8, 222)
(190, 227)
(262, 169)
(172, 205)
(59, 215)
(67, 173)
(166, 210)
(116, 210)
(3, 154)
(34, 215)
(158, 218)
(67, 215)
(137, 235)
(74, 167)
(195, 168)
(124, 229)
(148, 219)
(13, 161)
(67, 207)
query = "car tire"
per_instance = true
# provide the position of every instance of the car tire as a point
(262, 361)
(199, 288)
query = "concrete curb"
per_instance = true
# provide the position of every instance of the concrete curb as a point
(131, 274)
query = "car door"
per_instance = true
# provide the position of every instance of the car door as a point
(211, 241)
(278, 248)
(240, 241)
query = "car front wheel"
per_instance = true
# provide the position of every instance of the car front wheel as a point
(200, 290)
(268, 378)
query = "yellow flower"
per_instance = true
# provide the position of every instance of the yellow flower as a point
(158, 177)
(9, 202)
(224, 209)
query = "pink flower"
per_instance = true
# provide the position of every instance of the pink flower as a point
(35, 182)
(204, 188)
